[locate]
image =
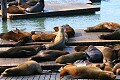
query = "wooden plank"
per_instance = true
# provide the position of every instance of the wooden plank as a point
(89, 38)
(59, 10)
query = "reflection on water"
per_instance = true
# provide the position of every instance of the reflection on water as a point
(109, 12)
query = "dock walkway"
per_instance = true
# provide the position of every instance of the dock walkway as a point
(58, 10)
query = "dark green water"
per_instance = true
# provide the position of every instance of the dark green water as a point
(110, 11)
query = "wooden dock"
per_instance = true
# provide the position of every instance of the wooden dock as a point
(81, 38)
(49, 75)
(58, 10)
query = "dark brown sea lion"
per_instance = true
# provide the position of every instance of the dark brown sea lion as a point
(14, 35)
(24, 69)
(111, 36)
(17, 35)
(21, 51)
(93, 54)
(71, 58)
(108, 54)
(104, 27)
(68, 29)
(85, 72)
(59, 41)
(37, 8)
(48, 55)
(43, 37)
(80, 48)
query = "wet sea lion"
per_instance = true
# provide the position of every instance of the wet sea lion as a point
(37, 8)
(103, 27)
(59, 41)
(48, 55)
(21, 51)
(111, 36)
(71, 58)
(43, 37)
(68, 29)
(93, 54)
(108, 54)
(25, 69)
(85, 72)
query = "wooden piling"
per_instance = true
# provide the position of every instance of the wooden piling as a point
(4, 9)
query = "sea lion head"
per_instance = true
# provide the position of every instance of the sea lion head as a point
(10, 72)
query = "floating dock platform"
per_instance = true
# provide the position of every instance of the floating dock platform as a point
(63, 9)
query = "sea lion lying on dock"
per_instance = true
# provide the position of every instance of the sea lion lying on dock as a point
(15, 10)
(48, 55)
(71, 58)
(80, 48)
(104, 27)
(21, 51)
(68, 29)
(108, 54)
(59, 41)
(17, 36)
(43, 37)
(24, 69)
(85, 72)
(14, 35)
(37, 8)
(93, 54)
(111, 36)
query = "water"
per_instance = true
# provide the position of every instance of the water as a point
(110, 11)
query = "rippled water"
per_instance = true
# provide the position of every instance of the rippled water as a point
(110, 11)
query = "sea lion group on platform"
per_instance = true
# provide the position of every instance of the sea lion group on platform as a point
(107, 57)
(25, 6)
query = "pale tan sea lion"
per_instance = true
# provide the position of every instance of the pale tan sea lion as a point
(59, 41)
(25, 69)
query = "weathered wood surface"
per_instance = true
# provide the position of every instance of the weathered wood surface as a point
(58, 10)
(89, 38)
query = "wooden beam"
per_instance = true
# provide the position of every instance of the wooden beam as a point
(4, 9)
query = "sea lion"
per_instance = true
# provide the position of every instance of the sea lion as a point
(43, 37)
(59, 41)
(93, 54)
(85, 72)
(24, 69)
(48, 55)
(111, 36)
(32, 2)
(15, 10)
(117, 66)
(17, 35)
(108, 54)
(68, 29)
(71, 58)
(80, 48)
(37, 8)
(21, 51)
(14, 35)
(103, 27)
